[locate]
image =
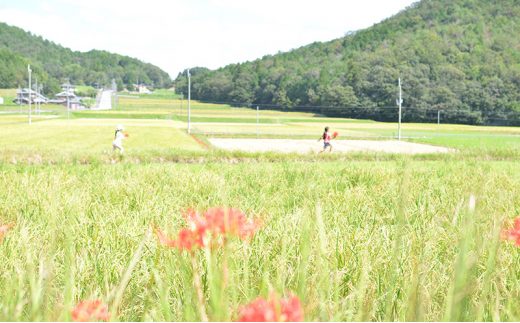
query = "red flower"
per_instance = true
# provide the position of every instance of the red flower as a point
(513, 234)
(187, 239)
(292, 310)
(274, 310)
(335, 134)
(230, 221)
(221, 220)
(127, 135)
(3, 229)
(195, 221)
(88, 310)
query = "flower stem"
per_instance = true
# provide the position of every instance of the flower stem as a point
(225, 260)
(196, 279)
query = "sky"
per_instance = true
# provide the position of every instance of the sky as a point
(177, 34)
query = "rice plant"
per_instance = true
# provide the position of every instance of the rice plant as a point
(398, 240)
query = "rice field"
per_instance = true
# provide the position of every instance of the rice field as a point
(364, 241)
(79, 136)
(359, 236)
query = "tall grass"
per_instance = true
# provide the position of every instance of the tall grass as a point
(401, 240)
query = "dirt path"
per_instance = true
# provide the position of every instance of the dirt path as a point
(306, 146)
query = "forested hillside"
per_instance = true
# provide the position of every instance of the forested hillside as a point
(461, 57)
(52, 63)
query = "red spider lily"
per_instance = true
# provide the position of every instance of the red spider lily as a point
(230, 221)
(195, 221)
(187, 239)
(335, 135)
(3, 229)
(292, 310)
(93, 309)
(274, 310)
(513, 234)
(127, 135)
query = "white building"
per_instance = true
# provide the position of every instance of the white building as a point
(141, 88)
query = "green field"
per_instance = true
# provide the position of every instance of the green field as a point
(159, 94)
(60, 137)
(361, 236)
(359, 241)
(224, 120)
(85, 88)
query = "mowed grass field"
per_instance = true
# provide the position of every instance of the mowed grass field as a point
(363, 241)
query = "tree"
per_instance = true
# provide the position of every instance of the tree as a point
(130, 87)
(120, 85)
(342, 96)
(19, 48)
(460, 56)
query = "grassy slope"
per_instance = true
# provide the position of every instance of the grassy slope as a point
(85, 88)
(356, 241)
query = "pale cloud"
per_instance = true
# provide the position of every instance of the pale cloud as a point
(176, 34)
(47, 7)
(37, 23)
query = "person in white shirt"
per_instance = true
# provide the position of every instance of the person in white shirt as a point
(118, 138)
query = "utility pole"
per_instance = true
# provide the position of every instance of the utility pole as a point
(257, 122)
(114, 92)
(68, 104)
(400, 105)
(20, 97)
(40, 89)
(30, 71)
(438, 122)
(37, 98)
(189, 101)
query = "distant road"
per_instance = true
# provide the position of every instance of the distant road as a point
(104, 101)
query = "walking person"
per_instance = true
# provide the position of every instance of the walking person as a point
(326, 141)
(118, 138)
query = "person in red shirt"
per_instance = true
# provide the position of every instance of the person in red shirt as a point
(326, 141)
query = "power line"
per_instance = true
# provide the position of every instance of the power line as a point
(315, 107)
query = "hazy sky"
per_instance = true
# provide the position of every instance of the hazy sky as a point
(176, 34)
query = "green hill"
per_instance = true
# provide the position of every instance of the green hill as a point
(53, 63)
(461, 57)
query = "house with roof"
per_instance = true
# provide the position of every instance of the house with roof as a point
(64, 95)
(68, 87)
(25, 95)
(142, 88)
(73, 100)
